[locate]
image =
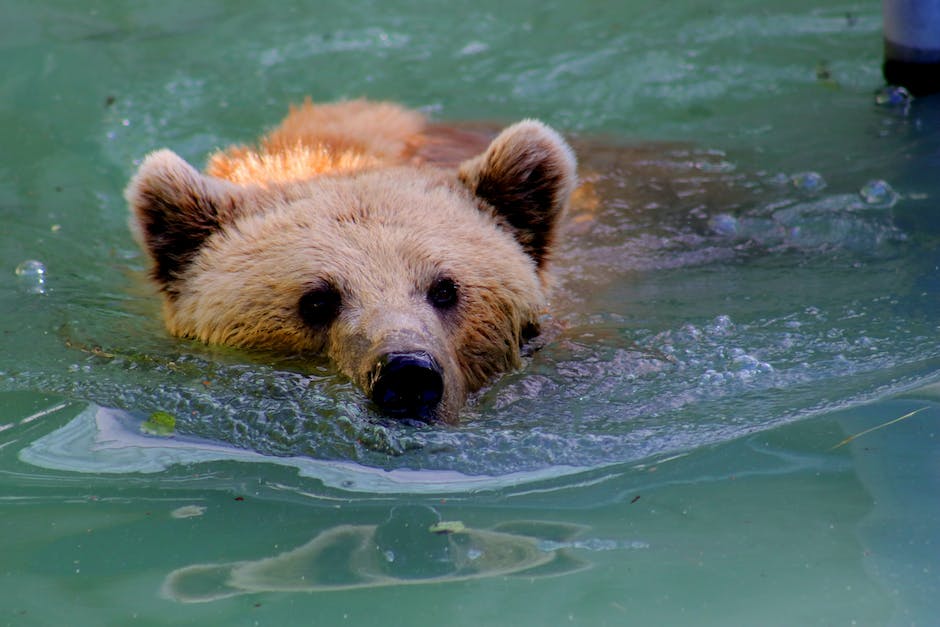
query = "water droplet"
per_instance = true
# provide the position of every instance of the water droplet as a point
(724, 224)
(810, 182)
(32, 276)
(596, 544)
(474, 47)
(718, 167)
(878, 193)
(893, 96)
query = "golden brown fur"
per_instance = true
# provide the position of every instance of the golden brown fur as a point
(346, 198)
(330, 138)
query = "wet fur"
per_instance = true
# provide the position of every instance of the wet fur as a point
(349, 194)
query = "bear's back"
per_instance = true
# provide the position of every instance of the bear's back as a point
(342, 138)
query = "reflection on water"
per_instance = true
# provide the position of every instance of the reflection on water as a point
(412, 546)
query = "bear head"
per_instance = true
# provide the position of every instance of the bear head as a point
(419, 283)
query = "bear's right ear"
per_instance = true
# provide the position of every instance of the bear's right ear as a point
(526, 175)
(174, 208)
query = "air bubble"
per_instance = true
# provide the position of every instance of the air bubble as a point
(712, 377)
(724, 224)
(893, 96)
(32, 276)
(750, 364)
(809, 182)
(721, 325)
(877, 193)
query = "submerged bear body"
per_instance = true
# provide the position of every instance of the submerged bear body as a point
(348, 233)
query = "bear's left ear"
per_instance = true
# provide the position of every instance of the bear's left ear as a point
(527, 175)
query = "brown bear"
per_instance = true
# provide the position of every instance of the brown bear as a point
(354, 230)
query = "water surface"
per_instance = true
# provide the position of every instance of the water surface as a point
(735, 297)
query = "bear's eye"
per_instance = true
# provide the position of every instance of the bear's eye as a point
(320, 305)
(443, 293)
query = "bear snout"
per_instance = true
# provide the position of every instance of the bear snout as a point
(407, 385)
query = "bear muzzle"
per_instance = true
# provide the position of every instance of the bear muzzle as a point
(407, 385)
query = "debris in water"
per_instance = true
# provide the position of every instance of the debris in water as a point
(160, 423)
(188, 511)
(875, 428)
(447, 526)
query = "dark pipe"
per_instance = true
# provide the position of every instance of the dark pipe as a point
(912, 45)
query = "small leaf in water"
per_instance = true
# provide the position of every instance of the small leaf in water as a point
(824, 75)
(160, 423)
(447, 526)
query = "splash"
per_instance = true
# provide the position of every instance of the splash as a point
(695, 304)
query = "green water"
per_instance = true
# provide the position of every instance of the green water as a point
(667, 459)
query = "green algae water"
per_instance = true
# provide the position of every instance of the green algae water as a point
(756, 282)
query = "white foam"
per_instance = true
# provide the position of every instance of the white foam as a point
(99, 440)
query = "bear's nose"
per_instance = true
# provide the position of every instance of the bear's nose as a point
(408, 385)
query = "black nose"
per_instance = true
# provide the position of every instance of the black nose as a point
(408, 385)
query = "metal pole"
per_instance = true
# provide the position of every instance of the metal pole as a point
(912, 44)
